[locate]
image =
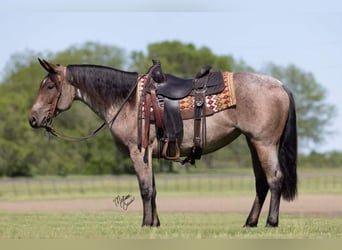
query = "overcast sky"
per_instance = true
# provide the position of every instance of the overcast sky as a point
(306, 33)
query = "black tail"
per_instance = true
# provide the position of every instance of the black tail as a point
(288, 152)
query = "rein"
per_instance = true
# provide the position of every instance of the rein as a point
(53, 132)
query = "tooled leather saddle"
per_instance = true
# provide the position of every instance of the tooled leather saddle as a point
(159, 104)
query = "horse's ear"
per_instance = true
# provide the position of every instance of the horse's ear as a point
(49, 67)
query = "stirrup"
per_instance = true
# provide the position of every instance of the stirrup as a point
(165, 151)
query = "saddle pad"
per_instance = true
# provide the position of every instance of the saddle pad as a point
(214, 103)
(218, 102)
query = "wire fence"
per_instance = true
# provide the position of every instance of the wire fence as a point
(173, 185)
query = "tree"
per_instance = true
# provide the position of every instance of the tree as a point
(184, 60)
(313, 112)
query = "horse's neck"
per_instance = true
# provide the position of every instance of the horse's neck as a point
(105, 113)
(92, 104)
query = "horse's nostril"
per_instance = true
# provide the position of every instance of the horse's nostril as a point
(33, 122)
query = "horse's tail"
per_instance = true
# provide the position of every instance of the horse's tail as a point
(288, 152)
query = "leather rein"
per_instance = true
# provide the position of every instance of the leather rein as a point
(50, 130)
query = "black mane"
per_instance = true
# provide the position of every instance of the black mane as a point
(107, 85)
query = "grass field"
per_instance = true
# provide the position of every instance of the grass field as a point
(115, 225)
(175, 225)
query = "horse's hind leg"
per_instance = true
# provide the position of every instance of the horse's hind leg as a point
(261, 188)
(268, 158)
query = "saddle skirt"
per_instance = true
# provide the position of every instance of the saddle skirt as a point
(214, 103)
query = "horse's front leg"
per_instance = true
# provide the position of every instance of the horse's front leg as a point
(145, 175)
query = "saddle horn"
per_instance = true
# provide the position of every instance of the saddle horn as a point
(157, 74)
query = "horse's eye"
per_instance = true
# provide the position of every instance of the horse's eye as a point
(51, 86)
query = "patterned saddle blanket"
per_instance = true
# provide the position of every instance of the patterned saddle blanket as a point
(214, 103)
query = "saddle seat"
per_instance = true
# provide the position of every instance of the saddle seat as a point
(174, 87)
(178, 88)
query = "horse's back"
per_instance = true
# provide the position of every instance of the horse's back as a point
(256, 82)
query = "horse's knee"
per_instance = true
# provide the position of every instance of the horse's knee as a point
(275, 180)
(146, 193)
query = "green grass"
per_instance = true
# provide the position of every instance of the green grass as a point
(115, 225)
(314, 182)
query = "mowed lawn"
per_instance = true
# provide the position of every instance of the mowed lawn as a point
(174, 225)
(115, 225)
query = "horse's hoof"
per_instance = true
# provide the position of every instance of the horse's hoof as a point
(271, 224)
(254, 224)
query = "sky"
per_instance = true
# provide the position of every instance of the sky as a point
(306, 33)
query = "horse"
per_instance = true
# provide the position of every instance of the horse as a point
(265, 114)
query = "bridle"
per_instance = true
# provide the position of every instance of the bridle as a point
(53, 105)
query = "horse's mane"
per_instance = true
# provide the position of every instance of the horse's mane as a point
(107, 85)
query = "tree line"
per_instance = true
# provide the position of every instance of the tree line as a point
(28, 152)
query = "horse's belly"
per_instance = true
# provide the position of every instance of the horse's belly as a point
(220, 131)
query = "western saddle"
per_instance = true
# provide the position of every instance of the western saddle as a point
(159, 104)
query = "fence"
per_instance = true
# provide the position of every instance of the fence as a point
(173, 185)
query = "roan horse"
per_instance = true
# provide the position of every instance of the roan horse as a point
(264, 114)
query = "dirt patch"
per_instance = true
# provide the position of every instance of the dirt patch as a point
(327, 205)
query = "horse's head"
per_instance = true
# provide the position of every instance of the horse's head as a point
(54, 96)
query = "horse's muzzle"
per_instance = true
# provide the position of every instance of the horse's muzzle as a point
(35, 122)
